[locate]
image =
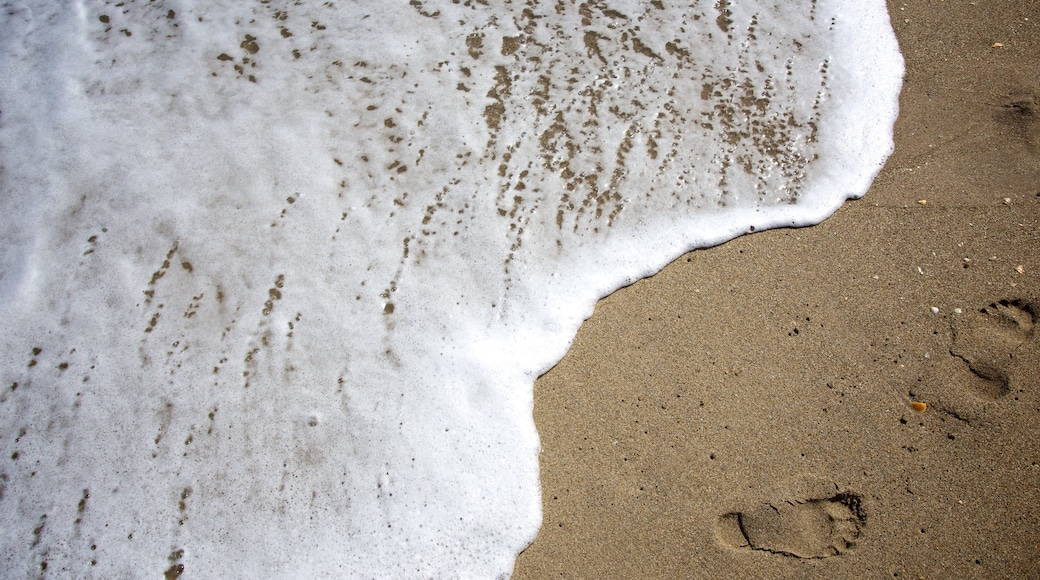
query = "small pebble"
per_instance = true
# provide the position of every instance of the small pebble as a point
(918, 406)
(935, 310)
(957, 311)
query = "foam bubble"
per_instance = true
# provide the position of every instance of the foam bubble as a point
(277, 279)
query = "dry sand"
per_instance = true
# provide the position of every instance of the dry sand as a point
(747, 411)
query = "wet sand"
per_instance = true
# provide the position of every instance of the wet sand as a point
(748, 411)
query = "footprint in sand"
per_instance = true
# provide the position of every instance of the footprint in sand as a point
(813, 528)
(1020, 112)
(988, 340)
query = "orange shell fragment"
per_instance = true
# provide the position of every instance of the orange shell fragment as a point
(918, 406)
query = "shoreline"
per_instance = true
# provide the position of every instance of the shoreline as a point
(747, 411)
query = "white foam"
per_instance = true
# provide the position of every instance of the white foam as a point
(277, 279)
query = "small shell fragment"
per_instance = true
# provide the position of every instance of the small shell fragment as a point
(1020, 269)
(918, 406)
(998, 45)
(922, 202)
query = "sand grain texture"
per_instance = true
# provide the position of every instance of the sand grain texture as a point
(746, 412)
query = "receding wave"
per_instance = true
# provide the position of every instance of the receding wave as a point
(277, 277)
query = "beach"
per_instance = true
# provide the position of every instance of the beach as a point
(277, 279)
(859, 398)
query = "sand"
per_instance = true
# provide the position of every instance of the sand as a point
(747, 411)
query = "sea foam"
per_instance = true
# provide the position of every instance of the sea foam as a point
(277, 277)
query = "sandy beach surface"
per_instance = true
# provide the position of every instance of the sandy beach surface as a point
(750, 410)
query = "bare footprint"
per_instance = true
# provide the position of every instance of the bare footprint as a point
(987, 341)
(814, 528)
(1020, 112)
